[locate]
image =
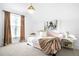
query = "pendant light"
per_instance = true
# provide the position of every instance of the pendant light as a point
(31, 9)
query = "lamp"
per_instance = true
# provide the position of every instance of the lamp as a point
(31, 9)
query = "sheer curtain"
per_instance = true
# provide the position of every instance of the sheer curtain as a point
(15, 27)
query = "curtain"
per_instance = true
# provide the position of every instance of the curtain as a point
(22, 31)
(7, 29)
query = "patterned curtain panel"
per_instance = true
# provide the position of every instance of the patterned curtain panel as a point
(22, 31)
(7, 29)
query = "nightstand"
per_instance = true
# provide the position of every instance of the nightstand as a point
(67, 43)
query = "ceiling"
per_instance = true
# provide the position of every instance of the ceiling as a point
(19, 8)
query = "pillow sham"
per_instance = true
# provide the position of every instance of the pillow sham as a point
(54, 34)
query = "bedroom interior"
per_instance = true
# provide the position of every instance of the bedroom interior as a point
(39, 29)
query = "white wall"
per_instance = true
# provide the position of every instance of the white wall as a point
(67, 14)
(1, 28)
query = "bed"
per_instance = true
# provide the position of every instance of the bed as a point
(49, 44)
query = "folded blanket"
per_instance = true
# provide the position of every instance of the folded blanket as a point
(50, 46)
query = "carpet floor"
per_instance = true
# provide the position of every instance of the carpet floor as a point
(22, 49)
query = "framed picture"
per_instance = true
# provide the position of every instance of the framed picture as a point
(51, 25)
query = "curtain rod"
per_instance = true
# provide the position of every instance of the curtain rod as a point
(12, 12)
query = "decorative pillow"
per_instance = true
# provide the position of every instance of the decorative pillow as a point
(43, 34)
(54, 34)
(49, 33)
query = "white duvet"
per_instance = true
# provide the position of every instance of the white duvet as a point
(33, 41)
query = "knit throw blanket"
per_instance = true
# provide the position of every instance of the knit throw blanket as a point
(50, 46)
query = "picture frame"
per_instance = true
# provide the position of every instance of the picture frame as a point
(51, 25)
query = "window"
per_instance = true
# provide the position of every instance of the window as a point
(15, 27)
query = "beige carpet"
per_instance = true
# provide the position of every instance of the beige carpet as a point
(22, 49)
(68, 52)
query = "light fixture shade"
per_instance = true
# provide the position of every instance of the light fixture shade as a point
(31, 9)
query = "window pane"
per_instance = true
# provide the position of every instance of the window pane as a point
(15, 26)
